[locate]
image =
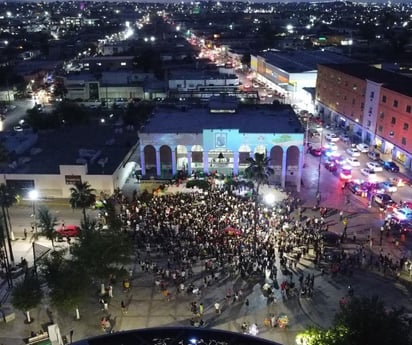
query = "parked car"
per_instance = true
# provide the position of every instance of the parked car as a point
(390, 166)
(353, 152)
(369, 173)
(353, 161)
(374, 155)
(332, 137)
(374, 166)
(68, 230)
(363, 148)
(384, 200)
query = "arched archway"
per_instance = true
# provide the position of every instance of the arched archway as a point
(197, 157)
(276, 158)
(181, 157)
(150, 159)
(292, 165)
(244, 154)
(165, 161)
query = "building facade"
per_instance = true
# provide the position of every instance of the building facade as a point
(373, 105)
(213, 140)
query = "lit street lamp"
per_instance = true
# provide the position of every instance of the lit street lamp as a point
(33, 196)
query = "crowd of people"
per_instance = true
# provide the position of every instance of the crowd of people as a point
(230, 235)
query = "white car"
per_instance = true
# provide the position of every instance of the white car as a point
(369, 173)
(332, 137)
(353, 152)
(374, 166)
(363, 148)
(353, 161)
(332, 146)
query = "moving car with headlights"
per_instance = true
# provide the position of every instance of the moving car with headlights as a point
(315, 151)
(402, 214)
(374, 166)
(353, 152)
(386, 187)
(331, 165)
(346, 172)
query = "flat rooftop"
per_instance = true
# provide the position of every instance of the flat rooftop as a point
(300, 61)
(253, 119)
(389, 80)
(63, 146)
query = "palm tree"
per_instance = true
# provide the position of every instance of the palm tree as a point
(82, 197)
(47, 223)
(258, 171)
(7, 199)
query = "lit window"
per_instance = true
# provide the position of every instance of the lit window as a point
(391, 133)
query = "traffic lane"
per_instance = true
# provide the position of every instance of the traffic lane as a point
(12, 117)
(21, 215)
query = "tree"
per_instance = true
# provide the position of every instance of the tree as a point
(259, 171)
(7, 199)
(362, 321)
(67, 282)
(82, 197)
(114, 250)
(47, 222)
(27, 294)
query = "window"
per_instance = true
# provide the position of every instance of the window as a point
(372, 94)
(408, 109)
(368, 124)
(393, 120)
(383, 99)
(355, 87)
(403, 141)
(395, 103)
(380, 128)
(406, 126)
(391, 133)
(382, 115)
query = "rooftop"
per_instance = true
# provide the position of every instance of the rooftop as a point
(253, 119)
(97, 145)
(303, 60)
(389, 80)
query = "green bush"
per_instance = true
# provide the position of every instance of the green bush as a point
(201, 184)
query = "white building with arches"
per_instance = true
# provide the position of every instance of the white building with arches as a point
(220, 138)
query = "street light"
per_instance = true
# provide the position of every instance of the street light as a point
(269, 198)
(33, 196)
